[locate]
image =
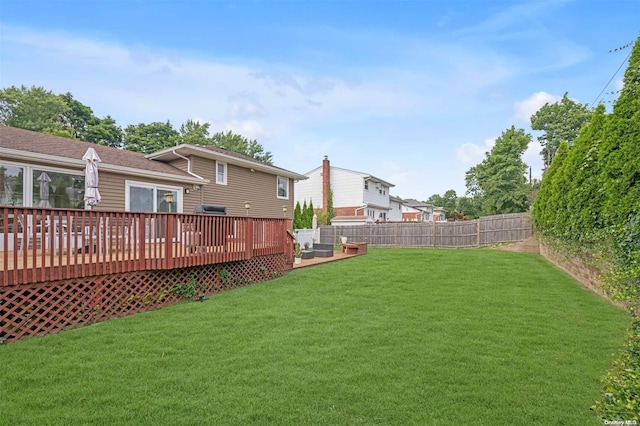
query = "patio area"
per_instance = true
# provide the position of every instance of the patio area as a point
(337, 255)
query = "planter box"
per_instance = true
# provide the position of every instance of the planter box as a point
(354, 248)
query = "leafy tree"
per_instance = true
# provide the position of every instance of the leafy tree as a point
(194, 133)
(79, 117)
(242, 145)
(589, 203)
(32, 109)
(583, 189)
(304, 218)
(560, 121)
(468, 207)
(62, 115)
(297, 217)
(330, 212)
(447, 201)
(620, 154)
(549, 206)
(105, 132)
(499, 181)
(309, 214)
(148, 138)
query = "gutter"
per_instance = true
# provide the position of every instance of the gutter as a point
(364, 206)
(15, 155)
(188, 164)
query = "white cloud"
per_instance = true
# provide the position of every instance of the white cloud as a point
(471, 153)
(245, 105)
(410, 181)
(248, 128)
(619, 84)
(526, 108)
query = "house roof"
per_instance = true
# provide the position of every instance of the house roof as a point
(415, 203)
(365, 176)
(28, 145)
(217, 153)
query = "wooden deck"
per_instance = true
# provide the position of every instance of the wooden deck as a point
(337, 255)
(39, 245)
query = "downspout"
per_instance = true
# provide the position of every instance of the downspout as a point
(188, 164)
(364, 206)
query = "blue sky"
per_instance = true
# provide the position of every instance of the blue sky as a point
(413, 92)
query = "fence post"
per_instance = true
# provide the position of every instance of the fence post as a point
(142, 238)
(249, 239)
(168, 241)
(435, 233)
(395, 234)
(478, 233)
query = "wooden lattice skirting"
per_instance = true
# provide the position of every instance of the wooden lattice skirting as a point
(43, 308)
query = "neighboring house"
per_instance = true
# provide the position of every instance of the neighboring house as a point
(358, 198)
(416, 211)
(395, 209)
(131, 181)
(439, 214)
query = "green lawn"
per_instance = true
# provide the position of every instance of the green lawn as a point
(396, 337)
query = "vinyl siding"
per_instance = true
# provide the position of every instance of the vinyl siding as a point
(259, 188)
(310, 189)
(395, 211)
(373, 196)
(348, 190)
(347, 187)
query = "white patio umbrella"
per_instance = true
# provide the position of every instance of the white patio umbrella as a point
(91, 193)
(314, 227)
(44, 180)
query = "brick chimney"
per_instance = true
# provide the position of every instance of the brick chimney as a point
(326, 183)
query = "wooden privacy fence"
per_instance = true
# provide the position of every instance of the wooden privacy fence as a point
(485, 231)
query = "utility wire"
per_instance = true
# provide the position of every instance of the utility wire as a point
(612, 77)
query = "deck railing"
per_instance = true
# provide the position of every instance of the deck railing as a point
(43, 244)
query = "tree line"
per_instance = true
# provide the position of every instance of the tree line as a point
(40, 110)
(499, 183)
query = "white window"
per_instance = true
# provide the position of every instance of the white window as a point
(26, 185)
(221, 173)
(283, 188)
(366, 185)
(151, 198)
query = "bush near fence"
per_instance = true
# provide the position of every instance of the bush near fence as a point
(489, 230)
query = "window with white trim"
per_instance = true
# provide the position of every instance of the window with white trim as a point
(34, 186)
(221, 173)
(152, 198)
(283, 188)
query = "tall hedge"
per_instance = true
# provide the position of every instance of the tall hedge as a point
(590, 195)
(589, 202)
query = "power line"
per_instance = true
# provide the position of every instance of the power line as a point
(612, 77)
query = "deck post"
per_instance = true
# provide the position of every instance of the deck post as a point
(168, 242)
(141, 262)
(249, 239)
